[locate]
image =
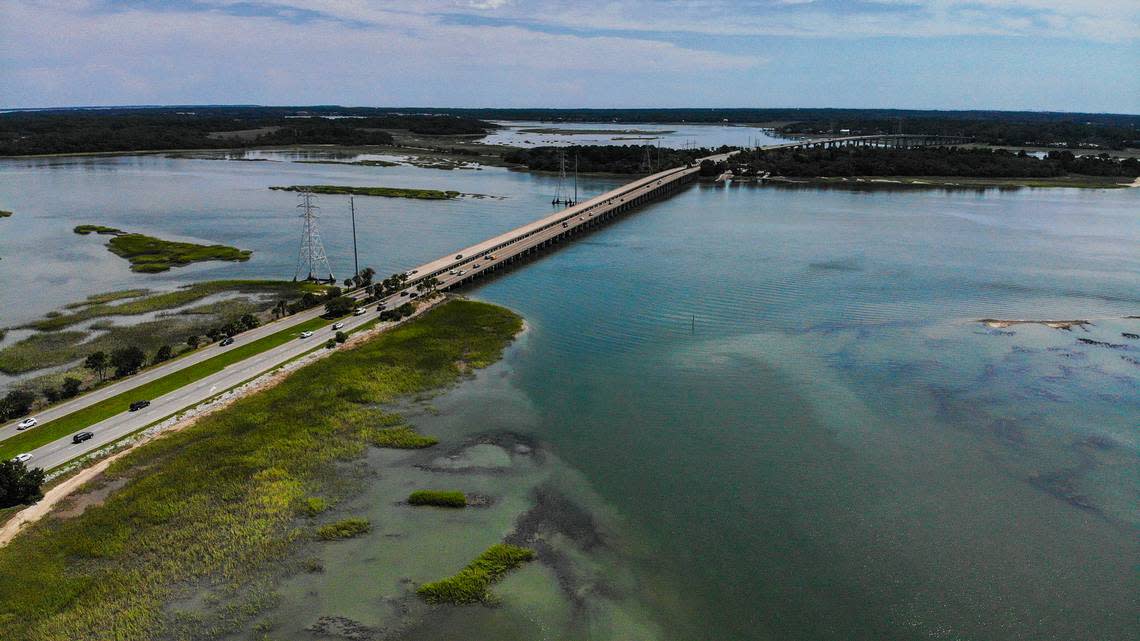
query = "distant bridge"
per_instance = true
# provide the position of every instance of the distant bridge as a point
(470, 263)
(895, 141)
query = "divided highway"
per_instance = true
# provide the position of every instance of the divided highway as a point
(450, 271)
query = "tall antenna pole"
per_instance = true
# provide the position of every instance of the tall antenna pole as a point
(355, 258)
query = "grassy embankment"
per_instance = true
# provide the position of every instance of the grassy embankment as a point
(165, 300)
(438, 498)
(387, 192)
(75, 421)
(150, 255)
(472, 584)
(211, 505)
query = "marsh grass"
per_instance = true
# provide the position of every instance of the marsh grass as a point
(387, 192)
(438, 498)
(169, 300)
(108, 297)
(83, 230)
(216, 503)
(472, 584)
(343, 529)
(403, 437)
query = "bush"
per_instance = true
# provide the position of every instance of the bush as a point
(16, 403)
(313, 505)
(19, 485)
(438, 498)
(340, 306)
(70, 387)
(341, 337)
(164, 353)
(193, 342)
(345, 529)
(472, 583)
(330, 343)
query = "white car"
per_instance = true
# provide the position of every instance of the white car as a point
(358, 312)
(23, 458)
(338, 325)
(306, 334)
(452, 272)
(463, 272)
(26, 423)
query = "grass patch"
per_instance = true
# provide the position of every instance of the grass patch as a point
(438, 498)
(343, 529)
(83, 230)
(402, 437)
(215, 504)
(387, 192)
(313, 505)
(77, 420)
(473, 583)
(169, 300)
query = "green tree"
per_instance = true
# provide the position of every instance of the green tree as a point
(331, 343)
(249, 321)
(164, 354)
(16, 403)
(19, 485)
(341, 337)
(70, 387)
(127, 360)
(97, 362)
(193, 341)
(340, 306)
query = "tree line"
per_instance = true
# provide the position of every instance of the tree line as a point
(928, 161)
(85, 130)
(613, 159)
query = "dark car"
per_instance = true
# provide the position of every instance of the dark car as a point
(80, 437)
(138, 405)
(229, 340)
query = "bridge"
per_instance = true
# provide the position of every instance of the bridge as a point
(895, 141)
(470, 263)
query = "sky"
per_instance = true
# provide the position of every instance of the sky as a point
(1053, 55)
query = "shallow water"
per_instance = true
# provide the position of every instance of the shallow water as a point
(774, 404)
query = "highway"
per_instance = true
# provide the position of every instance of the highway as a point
(451, 270)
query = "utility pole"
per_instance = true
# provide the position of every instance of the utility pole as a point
(355, 258)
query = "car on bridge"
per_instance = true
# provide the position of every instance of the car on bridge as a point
(26, 423)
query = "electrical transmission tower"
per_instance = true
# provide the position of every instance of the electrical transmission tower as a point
(647, 162)
(312, 257)
(562, 191)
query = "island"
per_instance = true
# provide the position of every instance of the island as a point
(150, 255)
(386, 192)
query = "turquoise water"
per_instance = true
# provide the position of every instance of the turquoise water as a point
(774, 405)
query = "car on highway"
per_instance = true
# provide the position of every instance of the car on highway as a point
(475, 266)
(463, 272)
(26, 423)
(23, 458)
(458, 256)
(306, 334)
(80, 437)
(381, 307)
(404, 293)
(138, 405)
(358, 311)
(451, 271)
(413, 295)
(229, 340)
(490, 257)
(337, 326)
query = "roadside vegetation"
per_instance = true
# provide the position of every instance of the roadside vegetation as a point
(212, 505)
(472, 584)
(438, 498)
(386, 192)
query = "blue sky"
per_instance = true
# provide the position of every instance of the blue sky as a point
(957, 54)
